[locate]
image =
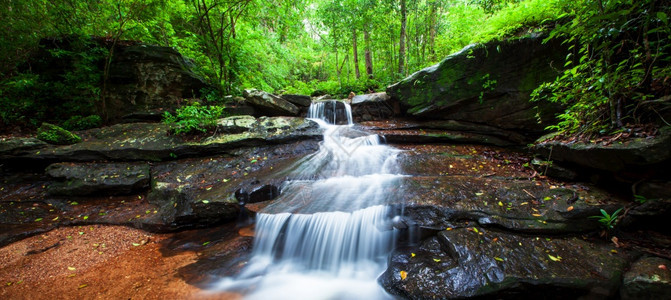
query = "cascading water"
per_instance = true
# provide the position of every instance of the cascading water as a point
(328, 234)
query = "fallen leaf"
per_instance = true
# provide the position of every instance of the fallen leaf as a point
(500, 203)
(412, 254)
(206, 201)
(436, 260)
(570, 208)
(449, 228)
(206, 243)
(498, 258)
(536, 215)
(476, 230)
(524, 203)
(554, 258)
(136, 244)
(613, 251)
(495, 240)
(83, 286)
(72, 268)
(663, 267)
(404, 274)
(479, 194)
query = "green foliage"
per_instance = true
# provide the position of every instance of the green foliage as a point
(608, 221)
(640, 199)
(82, 123)
(619, 62)
(69, 85)
(53, 134)
(193, 118)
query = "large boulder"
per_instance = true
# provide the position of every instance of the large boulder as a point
(270, 105)
(375, 106)
(146, 78)
(489, 83)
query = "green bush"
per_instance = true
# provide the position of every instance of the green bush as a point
(82, 123)
(53, 134)
(617, 67)
(193, 118)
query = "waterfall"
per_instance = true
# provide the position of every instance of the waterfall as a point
(328, 234)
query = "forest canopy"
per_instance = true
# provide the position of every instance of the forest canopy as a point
(619, 63)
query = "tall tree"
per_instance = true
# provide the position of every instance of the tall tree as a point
(356, 53)
(401, 43)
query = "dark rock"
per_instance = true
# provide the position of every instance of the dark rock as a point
(149, 141)
(98, 178)
(616, 156)
(257, 194)
(53, 134)
(376, 106)
(300, 100)
(10, 147)
(444, 131)
(478, 263)
(514, 205)
(144, 78)
(488, 83)
(269, 104)
(554, 170)
(648, 278)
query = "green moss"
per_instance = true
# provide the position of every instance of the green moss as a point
(53, 134)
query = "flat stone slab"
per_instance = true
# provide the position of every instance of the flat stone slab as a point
(98, 178)
(474, 262)
(648, 278)
(616, 156)
(150, 141)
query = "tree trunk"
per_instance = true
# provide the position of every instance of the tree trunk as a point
(356, 54)
(432, 31)
(401, 44)
(369, 59)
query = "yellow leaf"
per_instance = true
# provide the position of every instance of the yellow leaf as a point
(536, 215)
(570, 208)
(404, 274)
(83, 286)
(613, 251)
(500, 203)
(557, 258)
(476, 230)
(72, 268)
(524, 203)
(412, 254)
(449, 228)
(498, 258)
(436, 260)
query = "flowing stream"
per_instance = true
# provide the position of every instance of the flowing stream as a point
(329, 233)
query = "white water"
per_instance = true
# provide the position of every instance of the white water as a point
(329, 233)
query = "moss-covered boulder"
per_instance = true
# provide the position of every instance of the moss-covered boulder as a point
(53, 134)
(486, 83)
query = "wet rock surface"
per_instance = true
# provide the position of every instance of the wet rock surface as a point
(150, 141)
(648, 278)
(504, 266)
(375, 106)
(97, 178)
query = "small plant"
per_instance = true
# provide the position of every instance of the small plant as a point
(607, 220)
(640, 199)
(82, 123)
(193, 118)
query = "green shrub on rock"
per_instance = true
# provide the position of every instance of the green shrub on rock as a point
(192, 118)
(53, 134)
(82, 123)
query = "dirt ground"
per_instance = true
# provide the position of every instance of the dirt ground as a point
(96, 262)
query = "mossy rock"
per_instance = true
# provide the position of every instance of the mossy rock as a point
(53, 134)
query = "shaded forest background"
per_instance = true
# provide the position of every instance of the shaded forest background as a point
(301, 46)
